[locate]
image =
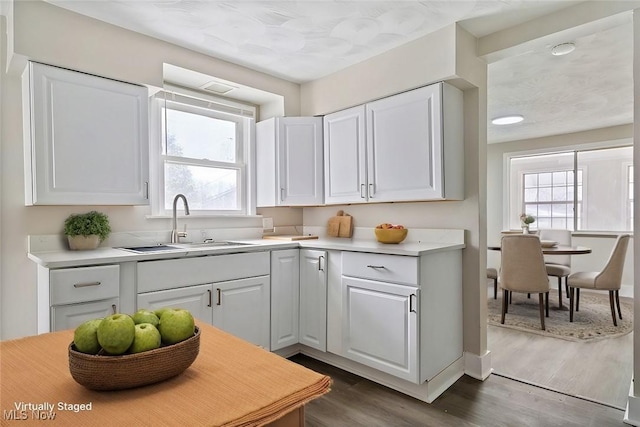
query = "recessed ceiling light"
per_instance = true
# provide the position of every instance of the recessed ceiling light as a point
(507, 120)
(563, 49)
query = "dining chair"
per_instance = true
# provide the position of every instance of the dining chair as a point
(609, 279)
(492, 274)
(522, 270)
(558, 265)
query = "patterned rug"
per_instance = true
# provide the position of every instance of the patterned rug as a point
(592, 322)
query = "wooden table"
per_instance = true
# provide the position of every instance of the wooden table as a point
(231, 383)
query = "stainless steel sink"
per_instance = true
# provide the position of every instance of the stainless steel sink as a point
(179, 246)
(151, 248)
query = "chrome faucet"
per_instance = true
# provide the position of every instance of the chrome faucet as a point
(175, 234)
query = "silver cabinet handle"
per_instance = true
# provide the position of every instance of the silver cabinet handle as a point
(362, 191)
(114, 308)
(376, 266)
(320, 262)
(371, 192)
(219, 296)
(84, 285)
(210, 304)
(282, 194)
(411, 309)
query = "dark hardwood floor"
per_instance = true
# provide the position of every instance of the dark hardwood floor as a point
(497, 401)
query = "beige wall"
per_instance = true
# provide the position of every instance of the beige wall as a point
(448, 54)
(52, 35)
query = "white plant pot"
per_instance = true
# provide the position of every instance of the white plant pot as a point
(83, 243)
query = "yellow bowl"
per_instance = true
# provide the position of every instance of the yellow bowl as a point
(391, 235)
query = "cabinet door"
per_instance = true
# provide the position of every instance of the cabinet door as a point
(300, 161)
(89, 140)
(380, 326)
(285, 286)
(241, 307)
(72, 315)
(196, 299)
(345, 157)
(313, 299)
(404, 146)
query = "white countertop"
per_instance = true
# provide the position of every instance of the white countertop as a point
(67, 258)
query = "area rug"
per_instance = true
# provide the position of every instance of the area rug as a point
(592, 322)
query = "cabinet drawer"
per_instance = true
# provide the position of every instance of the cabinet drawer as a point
(176, 273)
(385, 268)
(72, 315)
(72, 285)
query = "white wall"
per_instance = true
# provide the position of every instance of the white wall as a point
(52, 35)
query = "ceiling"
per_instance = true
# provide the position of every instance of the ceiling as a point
(306, 40)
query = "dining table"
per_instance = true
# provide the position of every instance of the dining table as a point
(555, 250)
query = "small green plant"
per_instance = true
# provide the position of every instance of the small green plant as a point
(87, 224)
(527, 219)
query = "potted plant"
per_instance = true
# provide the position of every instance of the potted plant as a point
(526, 221)
(86, 231)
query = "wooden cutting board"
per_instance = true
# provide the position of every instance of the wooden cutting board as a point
(289, 237)
(340, 225)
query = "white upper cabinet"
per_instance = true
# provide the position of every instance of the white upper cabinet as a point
(86, 139)
(289, 161)
(345, 156)
(412, 149)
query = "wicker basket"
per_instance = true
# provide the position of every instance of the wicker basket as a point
(97, 372)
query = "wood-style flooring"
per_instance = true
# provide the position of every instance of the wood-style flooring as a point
(599, 371)
(497, 401)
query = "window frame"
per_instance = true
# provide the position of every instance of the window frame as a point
(179, 99)
(508, 174)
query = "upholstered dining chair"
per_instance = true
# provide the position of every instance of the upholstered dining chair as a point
(558, 265)
(522, 270)
(609, 279)
(492, 274)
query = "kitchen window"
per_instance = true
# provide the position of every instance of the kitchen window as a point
(202, 152)
(578, 190)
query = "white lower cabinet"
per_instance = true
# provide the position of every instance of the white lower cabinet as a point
(380, 326)
(196, 299)
(72, 315)
(242, 308)
(69, 296)
(313, 298)
(285, 294)
(231, 292)
(402, 314)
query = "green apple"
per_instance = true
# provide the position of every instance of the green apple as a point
(176, 325)
(159, 311)
(145, 316)
(116, 333)
(146, 337)
(85, 337)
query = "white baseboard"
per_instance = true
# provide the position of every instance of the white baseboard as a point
(632, 413)
(478, 367)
